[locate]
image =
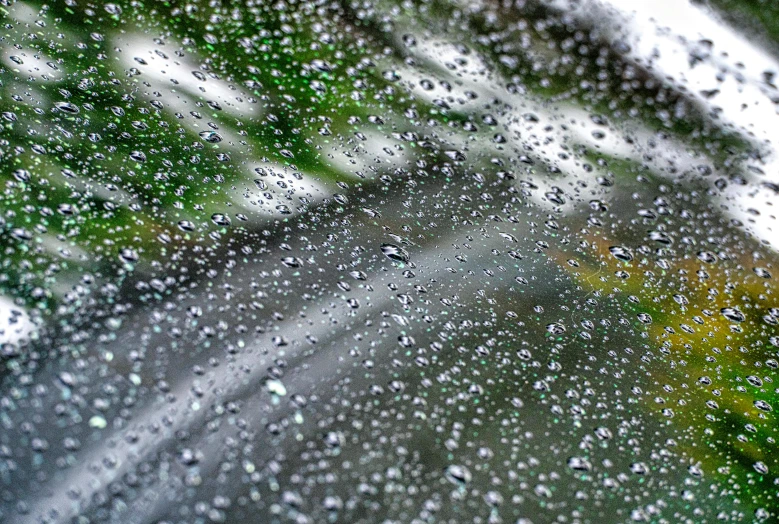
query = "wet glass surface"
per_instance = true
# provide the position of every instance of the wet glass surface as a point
(378, 261)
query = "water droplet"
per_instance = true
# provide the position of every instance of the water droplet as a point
(275, 387)
(220, 219)
(138, 156)
(733, 314)
(128, 255)
(67, 107)
(621, 253)
(761, 272)
(211, 136)
(458, 475)
(112, 9)
(292, 262)
(555, 328)
(579, 464)
(396, 253)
